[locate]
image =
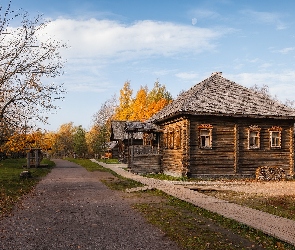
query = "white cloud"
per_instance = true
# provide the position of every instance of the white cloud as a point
(269, 18)
(265, 65)
(194, 21)
(280, 84)
(205, 14)
(105, 38)
(187, 76)
(285, 50)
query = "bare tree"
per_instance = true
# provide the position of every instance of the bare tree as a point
(27, 58)
(102, 122)
(106, 112)
(264, 90)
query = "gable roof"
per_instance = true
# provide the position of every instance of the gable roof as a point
(120, 129)
(217, 95)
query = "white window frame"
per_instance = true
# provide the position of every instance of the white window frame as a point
(205, 140)
(254, 141)
(272, 131)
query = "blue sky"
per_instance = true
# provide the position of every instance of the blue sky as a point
(178, 43)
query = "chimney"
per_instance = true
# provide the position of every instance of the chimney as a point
(216, 73)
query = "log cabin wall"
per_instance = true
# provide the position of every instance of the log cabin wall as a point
(266, 155)
(218, 158)
(175, 147)
(229, 152)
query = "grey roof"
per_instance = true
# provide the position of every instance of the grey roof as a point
(217, 95)
(140, 127)
(120, 129)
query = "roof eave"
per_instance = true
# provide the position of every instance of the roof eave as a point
(236, 115)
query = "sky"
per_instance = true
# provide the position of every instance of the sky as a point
(178, 43)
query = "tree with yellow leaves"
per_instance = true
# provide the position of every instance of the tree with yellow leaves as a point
(139, 105)
(124, 111)
(63, 141)
(157, 99)
(21, 142)
(93, 140)
(144, 105)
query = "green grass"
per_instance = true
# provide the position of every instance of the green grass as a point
(12, 187)
(109, 161)
(89, 165)
(196, 228)
(118, 183)
(167, 177)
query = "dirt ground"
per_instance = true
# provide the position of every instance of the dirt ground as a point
(271, 188)
(71, 209)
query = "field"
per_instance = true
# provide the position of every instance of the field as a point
(12, 187)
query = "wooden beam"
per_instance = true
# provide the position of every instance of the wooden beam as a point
(236, 148)
(292, 151)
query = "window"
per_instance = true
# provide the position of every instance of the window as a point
(275, 135)
(178, 137)
(171, 138)
(165, 138)
(148, 139)
(205, 138)
(275, 139)
(205, 132)
(254, 137)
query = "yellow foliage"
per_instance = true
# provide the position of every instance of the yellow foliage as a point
(21, 142)
(144, 105)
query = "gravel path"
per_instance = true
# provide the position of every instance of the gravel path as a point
(72, 209)
(276, 226)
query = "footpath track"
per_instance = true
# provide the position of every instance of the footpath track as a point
(278, 227)
(71, 209)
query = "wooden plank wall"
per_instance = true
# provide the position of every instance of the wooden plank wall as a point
(251, 159)
(146, 164)
(175, 160)
(230, 154)
(220, 159)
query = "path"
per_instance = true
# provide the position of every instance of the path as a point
(276, 226)
(72, 209)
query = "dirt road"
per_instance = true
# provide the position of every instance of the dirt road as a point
(72, 209)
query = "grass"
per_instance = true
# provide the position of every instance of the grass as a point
(167, 177)
(118, 183)
(109, 161)
(12, 187)
(89, 165)
(196, 228)
(188, 225)
(283, 205)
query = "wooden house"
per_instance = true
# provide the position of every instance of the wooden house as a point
(138, 145)
(220, 128)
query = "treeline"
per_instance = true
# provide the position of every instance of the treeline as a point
(76, 141)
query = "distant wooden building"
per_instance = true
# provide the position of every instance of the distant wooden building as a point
(138, 145)
(220, 128)
(122, 138)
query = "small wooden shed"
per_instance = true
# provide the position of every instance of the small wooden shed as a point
(140, 145)
(119, 135)
(220, 128)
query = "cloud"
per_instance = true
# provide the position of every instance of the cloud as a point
(111, 39)
(285, 50)
(194, 21)
(186, 75)
(269, 18)
(281, 84)
(205, 14)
